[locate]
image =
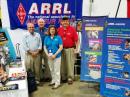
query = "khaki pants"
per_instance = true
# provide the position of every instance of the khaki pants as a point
(55, 70)
(67, 63)
(46, 73)
(33, 63)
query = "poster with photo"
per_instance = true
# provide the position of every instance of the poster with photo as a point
(92, 58)
(115, 76)
(6, 41)
(95, 45)
(92, 35)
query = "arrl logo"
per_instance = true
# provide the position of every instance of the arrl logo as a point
(21, 13)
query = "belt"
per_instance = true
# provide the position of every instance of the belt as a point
(68, 47)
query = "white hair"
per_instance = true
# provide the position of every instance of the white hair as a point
(41, 19)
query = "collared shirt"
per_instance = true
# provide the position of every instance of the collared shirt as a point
(42, 33)
(69, 36)
(52, 45)
(32, 42)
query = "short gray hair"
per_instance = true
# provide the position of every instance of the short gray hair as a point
(41, 19)
(29, 24)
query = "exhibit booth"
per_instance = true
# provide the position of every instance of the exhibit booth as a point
(104, 42)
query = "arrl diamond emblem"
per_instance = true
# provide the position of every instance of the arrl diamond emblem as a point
(21, 13)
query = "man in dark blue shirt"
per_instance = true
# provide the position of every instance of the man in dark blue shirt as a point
(42, 30)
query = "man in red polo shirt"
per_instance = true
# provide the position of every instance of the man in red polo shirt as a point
(70, 47)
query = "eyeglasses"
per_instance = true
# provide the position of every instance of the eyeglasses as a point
(30, 27)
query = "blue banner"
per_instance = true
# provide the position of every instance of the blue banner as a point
(115, 76)
(23, 11)
(92, 37)
(5, 39)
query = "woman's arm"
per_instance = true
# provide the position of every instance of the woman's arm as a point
(58, 51)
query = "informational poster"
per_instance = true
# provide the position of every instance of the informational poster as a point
(92, 38)
(6, 42)
(23, 11)
(115, 76)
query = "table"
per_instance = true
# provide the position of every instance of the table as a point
(22, 84)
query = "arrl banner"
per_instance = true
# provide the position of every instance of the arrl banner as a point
(23, 11)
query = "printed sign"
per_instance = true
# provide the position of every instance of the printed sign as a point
(115, 76)
(92, 38)
(24, 11)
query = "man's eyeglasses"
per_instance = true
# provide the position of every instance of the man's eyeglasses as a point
(30, 27)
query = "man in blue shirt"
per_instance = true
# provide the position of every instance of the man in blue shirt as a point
(42, 30)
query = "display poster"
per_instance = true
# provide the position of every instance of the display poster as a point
(6, 42)
(23, 11)
(115, 76)
(92, 38)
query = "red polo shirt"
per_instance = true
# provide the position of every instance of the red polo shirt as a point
(69, 36)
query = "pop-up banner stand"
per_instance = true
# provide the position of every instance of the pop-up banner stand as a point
(115, 76)
(92, 38)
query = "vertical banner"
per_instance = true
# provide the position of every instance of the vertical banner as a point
(23, 11)
(92, 34)
(5, 39)
(115, 76)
